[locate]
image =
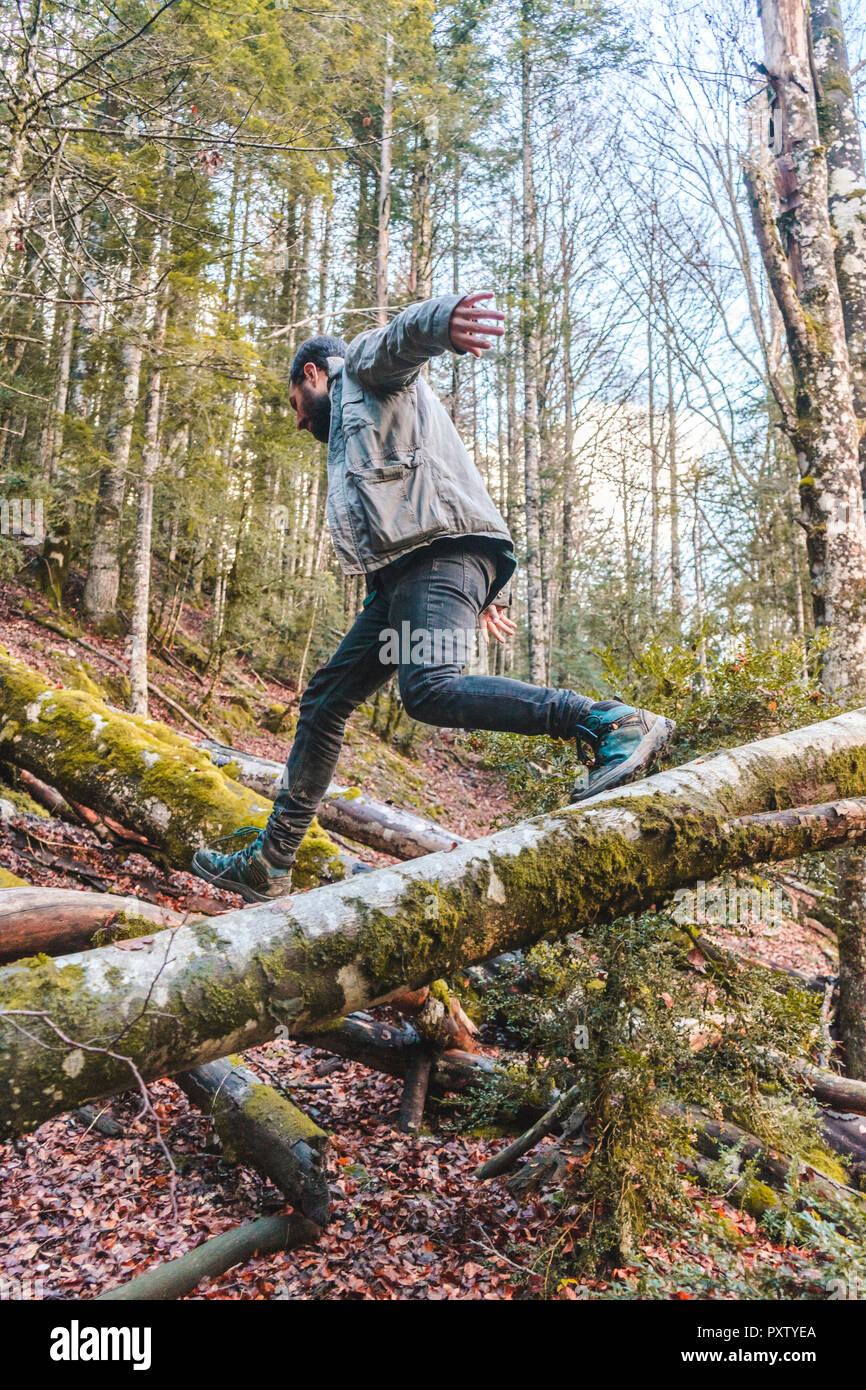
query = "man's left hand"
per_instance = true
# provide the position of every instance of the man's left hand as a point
(494, 622)
(473, 327)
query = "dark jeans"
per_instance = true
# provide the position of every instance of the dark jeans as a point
(414, 621)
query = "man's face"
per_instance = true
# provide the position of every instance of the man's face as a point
(311, 402)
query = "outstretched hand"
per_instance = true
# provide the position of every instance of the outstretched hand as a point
(494, 622)
(473, 327)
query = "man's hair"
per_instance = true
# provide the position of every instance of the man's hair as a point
(317, 351)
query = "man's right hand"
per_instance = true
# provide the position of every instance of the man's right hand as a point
(472, 328)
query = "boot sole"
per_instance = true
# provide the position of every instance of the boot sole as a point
(232, 885)
(652, 746)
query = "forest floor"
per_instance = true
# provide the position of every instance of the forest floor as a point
(80, 1212)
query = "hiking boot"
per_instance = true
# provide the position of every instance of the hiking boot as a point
(619, 743)
(249, 871)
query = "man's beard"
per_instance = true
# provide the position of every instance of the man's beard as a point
(319, 411)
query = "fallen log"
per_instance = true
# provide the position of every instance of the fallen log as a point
(258, 1127)
(136, 770)
(72, 1029)
(392, 1050)
(54, 920)
(840, 1092)
(345, 810)
(779, 1170)
(266, 1236)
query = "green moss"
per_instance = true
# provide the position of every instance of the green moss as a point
(266, 1106)
(79, 675)
(317, 858)
(826, 1162)
(757, 1198)
(125, 927)
(847, 769)
(22, 801)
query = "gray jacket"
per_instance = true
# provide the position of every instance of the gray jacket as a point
(398, 474)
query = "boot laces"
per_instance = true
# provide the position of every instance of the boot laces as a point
(246, 853)
(587, 745)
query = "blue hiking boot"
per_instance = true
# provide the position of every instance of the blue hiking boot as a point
(619, 743)
(249, 871)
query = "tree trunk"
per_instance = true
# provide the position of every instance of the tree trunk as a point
(384, 209)
(840, 132)
(74, 1029)
(103, 569)
(802, 273)
(346, 810)
(144, 531)
(532, 474)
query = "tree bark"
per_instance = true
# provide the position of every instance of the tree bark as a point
(266, 1236)
(840, 132)
(54, 920)
(144, 529)
(103, 570)
(415, 1094)
(798, 255)
(383, 228)
(531, 464)
(259, 1127)
(73, 1029)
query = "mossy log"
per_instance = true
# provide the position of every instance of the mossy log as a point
(137, 770)
(345, 810)
(203, 991)
(259, 1127)
(266, 1236)
(53, 920)
(778, 1170)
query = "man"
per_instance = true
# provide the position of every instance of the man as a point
(407, 508)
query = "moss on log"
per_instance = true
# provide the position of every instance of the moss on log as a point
(135, 769)
(189, 995)
(259, 1127)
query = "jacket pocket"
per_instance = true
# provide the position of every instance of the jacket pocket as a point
(400, 504)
